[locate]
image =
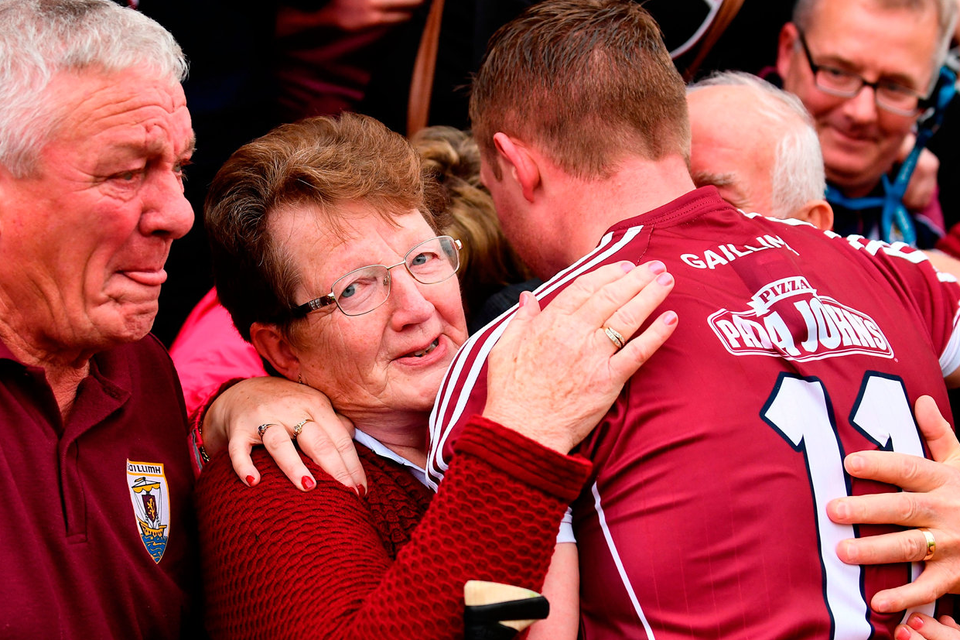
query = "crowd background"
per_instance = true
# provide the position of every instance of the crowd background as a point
(276, 62)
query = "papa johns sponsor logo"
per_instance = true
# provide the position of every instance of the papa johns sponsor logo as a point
(787, 319)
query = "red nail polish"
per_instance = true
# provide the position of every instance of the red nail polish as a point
(307, 483)
(251, 481)
(362, 491)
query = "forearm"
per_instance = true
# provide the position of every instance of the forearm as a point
(495, 518)
(562, 590)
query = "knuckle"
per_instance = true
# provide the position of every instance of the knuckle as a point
(626, 320)
(275, 442)
(910, 470)
(905, 508)
(342, 476)
(237, 448)
(322, 446)
(642, 350)
(913, 545)
(343, 442)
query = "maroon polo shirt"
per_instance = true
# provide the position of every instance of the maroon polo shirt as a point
(96, 523)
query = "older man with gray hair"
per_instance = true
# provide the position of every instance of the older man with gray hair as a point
(757, 145)
(95, 539)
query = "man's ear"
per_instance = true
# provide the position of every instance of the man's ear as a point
(819, 213)
(785, 48)
(276, 349)
(519, 163)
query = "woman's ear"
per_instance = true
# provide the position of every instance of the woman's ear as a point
(276, 349)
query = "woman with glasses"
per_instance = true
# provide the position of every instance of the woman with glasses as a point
(208, 351)
(330, 263)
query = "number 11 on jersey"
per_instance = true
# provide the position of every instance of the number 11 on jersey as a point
(800, 411)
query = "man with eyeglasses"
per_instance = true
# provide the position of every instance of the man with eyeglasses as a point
(865, 69)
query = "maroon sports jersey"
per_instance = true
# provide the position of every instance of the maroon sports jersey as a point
(706, 517)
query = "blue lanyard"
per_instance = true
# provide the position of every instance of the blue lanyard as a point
(896, 224)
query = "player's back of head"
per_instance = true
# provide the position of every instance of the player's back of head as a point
(586, 81)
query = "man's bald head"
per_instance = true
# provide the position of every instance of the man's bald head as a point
(756, 143)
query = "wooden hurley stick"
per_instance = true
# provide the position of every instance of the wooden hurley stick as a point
(497, 611)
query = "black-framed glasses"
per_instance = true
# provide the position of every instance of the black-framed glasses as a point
(363, 290)
(887, 95)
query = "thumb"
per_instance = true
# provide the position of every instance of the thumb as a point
(940, 438)
(529, 306)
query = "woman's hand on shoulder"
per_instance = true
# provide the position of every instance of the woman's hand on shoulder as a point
(276, 412)
(554, 373)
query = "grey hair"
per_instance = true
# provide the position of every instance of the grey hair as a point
(798, 172)
(41, 38)
(947, 11)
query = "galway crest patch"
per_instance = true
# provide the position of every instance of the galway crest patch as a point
(151, 505)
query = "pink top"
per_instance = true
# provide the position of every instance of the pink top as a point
(209, 351)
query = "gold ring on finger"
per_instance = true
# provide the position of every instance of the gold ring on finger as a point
(930, 541)
(615, 337)
(297, 428)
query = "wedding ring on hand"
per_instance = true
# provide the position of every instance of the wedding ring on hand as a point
(931, 543)
(262, 429)
(299, 427)
(615, 337)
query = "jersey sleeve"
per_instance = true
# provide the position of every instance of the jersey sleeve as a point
(462, 394)
(934, 296)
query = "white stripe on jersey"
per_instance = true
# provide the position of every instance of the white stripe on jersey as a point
(456, 388)
(950, 358)
(612, 547)
(793, 222)
(436, 465)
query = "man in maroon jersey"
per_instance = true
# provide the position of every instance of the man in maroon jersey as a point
(707, 516)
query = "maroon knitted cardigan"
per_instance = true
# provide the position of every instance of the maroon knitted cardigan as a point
(280, 563)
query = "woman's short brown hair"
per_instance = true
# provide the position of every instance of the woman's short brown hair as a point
(322, 162)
